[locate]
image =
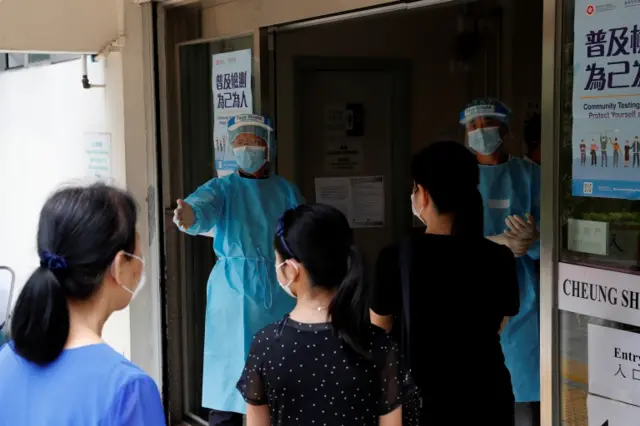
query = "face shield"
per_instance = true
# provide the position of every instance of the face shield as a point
(485, 121)
(251, 139)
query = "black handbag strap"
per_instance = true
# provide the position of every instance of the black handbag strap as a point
(405, 273)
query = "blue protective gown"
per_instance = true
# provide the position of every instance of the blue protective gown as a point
(507, 189)
(243, 294)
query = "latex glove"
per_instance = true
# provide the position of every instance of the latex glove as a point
(512, 244)
(183, 215)
(521, 233)
(498, 239)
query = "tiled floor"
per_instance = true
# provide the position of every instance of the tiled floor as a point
(574, 406)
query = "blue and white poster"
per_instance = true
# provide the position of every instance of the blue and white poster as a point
(232, 96)
(606, 99)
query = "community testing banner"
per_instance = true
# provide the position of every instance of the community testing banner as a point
(606, 99)
(232, 96)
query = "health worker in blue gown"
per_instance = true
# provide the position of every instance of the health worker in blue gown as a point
(243, 294)
(510, 189)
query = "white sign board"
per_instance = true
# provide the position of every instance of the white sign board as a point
(614, 364)
(232, 96)
(606, 412)
(361, 199)
(588, 236)
(599, 293)
(97, 148)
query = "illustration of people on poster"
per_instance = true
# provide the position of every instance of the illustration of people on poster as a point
(606, 100)
(232, 96)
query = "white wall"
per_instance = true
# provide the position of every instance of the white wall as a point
(44, 112)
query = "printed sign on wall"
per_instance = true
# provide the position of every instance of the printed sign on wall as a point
(599, 293)
(97, 148)
(359, 198)
(232, 96)
(614, 364)
(588, 236)
(606, 412)
(606, 100)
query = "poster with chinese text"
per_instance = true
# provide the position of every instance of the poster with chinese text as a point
(232, 96)
(606, 99)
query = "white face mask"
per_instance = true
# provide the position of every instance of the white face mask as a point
(286, 287)
(250, 158)
(417, 213)
(141, 281)
(485, 141)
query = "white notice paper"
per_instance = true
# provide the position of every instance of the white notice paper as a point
(367, 198)
(606, 412)
(334, 192)
(588, 236)
(614, 364)
(361, 199)
(97, 148)
(599, 293)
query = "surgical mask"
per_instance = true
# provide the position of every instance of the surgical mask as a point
(485, 141)
(250, 158)
(415, 212)
(141, 281)
(287, 287)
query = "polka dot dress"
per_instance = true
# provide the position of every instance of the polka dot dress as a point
(308, 376)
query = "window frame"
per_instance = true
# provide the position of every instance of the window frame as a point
(29, 62)
(550, 404)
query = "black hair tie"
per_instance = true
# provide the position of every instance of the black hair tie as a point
(52, 261)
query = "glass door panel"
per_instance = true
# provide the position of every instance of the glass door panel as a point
(596, 232)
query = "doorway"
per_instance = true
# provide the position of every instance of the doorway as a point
(442, 57)
(352, 117)
(353, 100)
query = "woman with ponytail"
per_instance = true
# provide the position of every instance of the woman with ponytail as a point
(445, 294)
(57, 370)
(324, 363)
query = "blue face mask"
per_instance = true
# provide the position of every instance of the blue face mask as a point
(485, 141)
(250, 158)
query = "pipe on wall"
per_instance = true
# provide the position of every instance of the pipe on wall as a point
(85, 75)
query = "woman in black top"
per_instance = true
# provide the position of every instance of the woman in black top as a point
(324, 363)
(459, 288)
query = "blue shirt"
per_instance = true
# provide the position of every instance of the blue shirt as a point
(87, 386)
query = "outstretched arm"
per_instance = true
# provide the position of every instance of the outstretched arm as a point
(207, 203)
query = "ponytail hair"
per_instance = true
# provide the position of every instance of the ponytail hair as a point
(349, 309)
(40, 322)
(320, 238)
(81, 229)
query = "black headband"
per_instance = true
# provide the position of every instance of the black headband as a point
(280, 235)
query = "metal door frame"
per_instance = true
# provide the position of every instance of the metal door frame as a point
(179, 372)
(549, 212)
